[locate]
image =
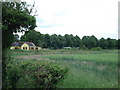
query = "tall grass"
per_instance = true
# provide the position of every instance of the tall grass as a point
(90, 70)
(105, 57)
(86, 68)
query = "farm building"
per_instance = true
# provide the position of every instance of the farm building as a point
(67, 47)
(24, 46)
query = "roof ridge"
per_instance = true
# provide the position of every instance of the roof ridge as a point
(20, 43)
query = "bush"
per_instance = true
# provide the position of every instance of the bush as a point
(83, 48)
(96, 48)
(33, 74)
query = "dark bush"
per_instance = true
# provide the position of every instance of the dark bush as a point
(96, 48)
(33, 74)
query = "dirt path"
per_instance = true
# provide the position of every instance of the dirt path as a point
(31, 56)
(35, 56)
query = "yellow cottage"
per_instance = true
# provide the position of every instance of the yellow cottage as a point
(24, 46)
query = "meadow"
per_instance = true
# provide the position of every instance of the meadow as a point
(86, 68)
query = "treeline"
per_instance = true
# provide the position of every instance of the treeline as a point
(58, 42)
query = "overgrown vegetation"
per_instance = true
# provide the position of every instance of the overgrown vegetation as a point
(90, 69)
(86, 68)
(33, 74)
(16, 17)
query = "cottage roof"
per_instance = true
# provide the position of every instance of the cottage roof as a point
(17, 43)
(21, 43)
(30, 43)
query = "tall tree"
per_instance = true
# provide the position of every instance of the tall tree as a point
(103, 43)
(15, 18)
(92, 41)
(118, 43)
(33, 36)
(85, 40)
(47, 41)
(111, 43)
(61, 42)
(68, 39)
(54, 41)
(78, 41)
(16, 37)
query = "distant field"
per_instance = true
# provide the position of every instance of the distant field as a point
(87, 68)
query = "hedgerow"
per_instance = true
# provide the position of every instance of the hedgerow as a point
(33, 74)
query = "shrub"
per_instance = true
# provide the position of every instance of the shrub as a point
(83, 48)
(33, 74)
(96, 48)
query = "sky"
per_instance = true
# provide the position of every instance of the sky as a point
(77, 17)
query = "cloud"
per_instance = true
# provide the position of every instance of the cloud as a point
(78, 17)
(60, 13)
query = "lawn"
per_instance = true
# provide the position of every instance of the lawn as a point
(86, 68)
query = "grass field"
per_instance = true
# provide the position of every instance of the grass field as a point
(86, 68)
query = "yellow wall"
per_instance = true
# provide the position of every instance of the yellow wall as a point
(39, 48)
(12, 47)
(25, 46)
(32, 47)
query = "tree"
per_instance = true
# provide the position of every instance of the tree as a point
(85, 41)
(118, 43)
(68, 39)
(15, 18)
(111, 43)
(16, 37)
(61, 42)
(47, 41)
(78, 41)
(33, 36)
(92, 41)
(103, 43)
(54, 41)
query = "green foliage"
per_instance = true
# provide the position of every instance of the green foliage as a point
(103, 43)
(90, 41)
(58, 42)
(96, 48)
(47, 41)
(15, 18)
(33, 74)
(118, 44)
(86, 68)
(33, 36)
(16, 37)
(111, 43)
(85, 40)
(52, 41)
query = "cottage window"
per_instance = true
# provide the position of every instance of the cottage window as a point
(25, 48)
(16, 48)
(32, 48)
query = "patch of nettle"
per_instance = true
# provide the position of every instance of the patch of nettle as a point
(33, 74)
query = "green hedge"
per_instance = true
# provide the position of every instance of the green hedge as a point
(96, 48)
(33, 74)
